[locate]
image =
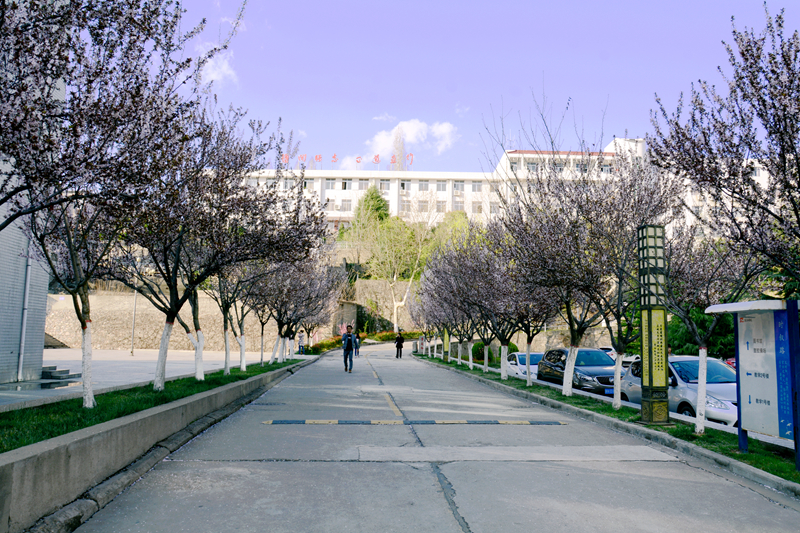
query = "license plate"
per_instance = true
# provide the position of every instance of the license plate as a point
(609, 391)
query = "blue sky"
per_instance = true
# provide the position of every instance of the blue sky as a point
(343, 74)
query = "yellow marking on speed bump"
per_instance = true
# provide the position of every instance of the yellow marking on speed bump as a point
(322, 422)
(450, 421)
(514, 422)
(268, 422)
(393, 405)
(375, 374)
(385, 422)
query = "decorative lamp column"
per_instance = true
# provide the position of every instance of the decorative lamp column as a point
(655, 384)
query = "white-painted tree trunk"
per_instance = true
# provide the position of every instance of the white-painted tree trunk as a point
(569, 371)
(275, 350)
(528, 365)
(460, 350)
(702, 376)
(617, 403)
(199, 344)
(503, 362)
(86, 366)
(242, 358)
(227, 368)
(486, 358)
(282, 358)
(469, 354)
(161, 364)
(290, 351)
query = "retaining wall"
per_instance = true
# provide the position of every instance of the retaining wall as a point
(37, 480)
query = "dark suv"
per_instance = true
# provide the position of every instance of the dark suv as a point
(594, 369)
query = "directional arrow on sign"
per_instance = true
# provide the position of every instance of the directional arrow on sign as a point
(749, 374)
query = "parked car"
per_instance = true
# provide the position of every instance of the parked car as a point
(516, 363)
(683, 370)
(594, 369)
(731, 362)
(626, 361)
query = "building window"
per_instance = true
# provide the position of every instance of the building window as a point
(532, 167)
(287, 184)
(423, 185)
(405, 205)
(308, 184)
(458, 186)
(252, 182)
(559, 167)
(347, 205)
(494, 208)
(422, 206)
(363, 185)
(605, 169)
(384, 185)
(405, 185)
(328, 206)
(441, 186)
(330, 184)
(581, 167)
(441, 205)
(477, 208)
(347, 185)
(514, 165)
(477, 186)
(494, 187)
(458, 205)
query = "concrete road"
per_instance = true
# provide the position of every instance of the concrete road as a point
(398, 445)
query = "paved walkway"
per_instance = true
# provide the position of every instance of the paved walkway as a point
(401, 446)
(112, 368)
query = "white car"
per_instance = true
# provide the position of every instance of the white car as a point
(683, 369)
(516, 364)
(626, 361)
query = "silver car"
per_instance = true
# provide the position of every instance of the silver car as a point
(516, 364)
(683, 370)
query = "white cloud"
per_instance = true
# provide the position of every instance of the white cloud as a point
(461, 110)
(218, 69)
(385, 116)
(417, 134)
(228, 20)
(302, 134)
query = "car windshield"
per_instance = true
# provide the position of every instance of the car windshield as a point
(593, 358)
(535, 358)
(718, 372)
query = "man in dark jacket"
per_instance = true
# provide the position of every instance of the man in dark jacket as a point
(348, 345)
(398, 342)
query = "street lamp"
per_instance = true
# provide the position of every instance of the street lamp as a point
(655, 400)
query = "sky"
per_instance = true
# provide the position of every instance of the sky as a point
(343, 75)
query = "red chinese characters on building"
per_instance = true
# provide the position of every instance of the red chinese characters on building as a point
(285, 158)
(394, 159)
(358, 159)
(318, 158)
(335, 159)
(302, 158)
(410, 158)
(376, 159)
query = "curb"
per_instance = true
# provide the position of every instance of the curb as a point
(746, 471)
(72, 515)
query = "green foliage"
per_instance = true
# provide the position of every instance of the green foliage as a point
(27, 426)
(454, 224)
(324, 345)
(477, 351)
(721, 344)
(372, 206)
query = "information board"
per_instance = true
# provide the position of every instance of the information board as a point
(764, 373)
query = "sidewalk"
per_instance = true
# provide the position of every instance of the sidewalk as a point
(113, 368)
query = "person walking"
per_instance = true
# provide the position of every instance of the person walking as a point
(348, 345)
(357, 344)
(301, 338)
(398, 342)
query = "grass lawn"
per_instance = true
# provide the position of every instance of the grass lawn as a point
(28, 426)
(773, 459)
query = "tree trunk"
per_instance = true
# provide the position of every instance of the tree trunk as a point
(198, 344)
(161, 364)
(227, 368)
(460, 350)
(469, 354)
(242, 358)
(617, 403)
(290, 351)
(569, 371)
(485, 358)
(262, 345)
(86, 361)
(702, 376)
(275, 349)
(282, 357)
(503, 361)
(528, 365)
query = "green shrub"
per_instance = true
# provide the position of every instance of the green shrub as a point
(324, 345)
(477, 351)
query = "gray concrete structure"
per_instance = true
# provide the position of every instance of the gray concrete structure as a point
(13, 268)
(389, 448)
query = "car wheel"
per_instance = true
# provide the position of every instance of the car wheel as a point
(686, 410)
(623, 397)
(539, 376)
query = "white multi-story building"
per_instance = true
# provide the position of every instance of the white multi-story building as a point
(427, 196)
